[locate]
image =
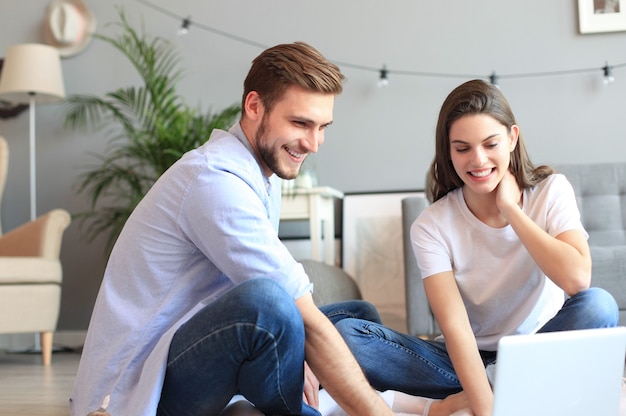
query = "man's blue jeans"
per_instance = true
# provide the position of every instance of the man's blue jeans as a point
(396, 361)
(250, 341)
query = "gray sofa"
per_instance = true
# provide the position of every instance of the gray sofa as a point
(601, 193)
(330, 283)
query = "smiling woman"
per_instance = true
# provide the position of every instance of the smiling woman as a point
(481, 149)
(497, 250)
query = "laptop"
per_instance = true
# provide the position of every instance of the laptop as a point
(569, 373)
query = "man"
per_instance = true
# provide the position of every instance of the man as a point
(200, 299)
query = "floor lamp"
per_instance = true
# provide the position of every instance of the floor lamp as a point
(31, 74)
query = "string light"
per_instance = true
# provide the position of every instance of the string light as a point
(204, 27)
(608, 74)
(384, 72)
(383, 81)
(493, 78)
(184, 28)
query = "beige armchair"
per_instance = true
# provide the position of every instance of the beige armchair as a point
(31, 273)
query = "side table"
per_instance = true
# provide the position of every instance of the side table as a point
(317, 205)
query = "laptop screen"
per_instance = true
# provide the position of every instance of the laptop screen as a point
(568, 373)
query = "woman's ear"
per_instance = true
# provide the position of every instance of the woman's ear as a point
(513, 136)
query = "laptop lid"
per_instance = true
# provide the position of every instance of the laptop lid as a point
(568, 373)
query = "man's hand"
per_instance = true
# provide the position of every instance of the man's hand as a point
(311, 395)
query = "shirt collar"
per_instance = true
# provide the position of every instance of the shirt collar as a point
(237, 131)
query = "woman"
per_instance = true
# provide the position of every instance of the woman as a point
(499, 250)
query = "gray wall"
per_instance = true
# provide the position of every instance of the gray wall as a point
(382, 139)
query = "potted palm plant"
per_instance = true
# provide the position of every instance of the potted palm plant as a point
(150, 127)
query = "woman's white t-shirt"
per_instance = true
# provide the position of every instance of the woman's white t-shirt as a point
(503, 289)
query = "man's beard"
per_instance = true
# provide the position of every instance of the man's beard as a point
(269, 156)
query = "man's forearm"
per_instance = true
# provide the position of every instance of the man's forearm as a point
(337, 369)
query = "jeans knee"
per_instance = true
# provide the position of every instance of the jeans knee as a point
(260, 293)
(355, 332)
(359, 309)
(368, 312)
(601, 305)
(346, 328)
(270, 303)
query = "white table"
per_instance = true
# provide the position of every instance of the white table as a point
(317, 205)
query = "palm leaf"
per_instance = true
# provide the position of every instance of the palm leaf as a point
(149, 128)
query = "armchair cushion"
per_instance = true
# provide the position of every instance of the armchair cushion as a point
(31, 270)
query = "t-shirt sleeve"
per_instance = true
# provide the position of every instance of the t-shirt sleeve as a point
(428, 244)
(563, 213)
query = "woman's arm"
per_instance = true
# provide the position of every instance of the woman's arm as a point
(449, 310)
(565, 259)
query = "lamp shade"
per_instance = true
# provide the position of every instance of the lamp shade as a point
(32, 70)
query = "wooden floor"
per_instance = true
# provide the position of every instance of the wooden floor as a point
(28, 388)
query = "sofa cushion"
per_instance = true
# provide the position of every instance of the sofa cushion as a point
(601, 194)
(330, 283)
(609, 272)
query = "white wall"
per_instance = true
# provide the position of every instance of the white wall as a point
(382, 139)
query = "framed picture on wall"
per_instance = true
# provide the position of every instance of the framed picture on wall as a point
(373, 253)
(596, 16)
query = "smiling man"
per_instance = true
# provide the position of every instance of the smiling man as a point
(200, 300)
(293, 129)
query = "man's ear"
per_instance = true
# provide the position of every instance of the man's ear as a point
(253, 106)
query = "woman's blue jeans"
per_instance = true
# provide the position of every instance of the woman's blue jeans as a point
(250, 341)
(396, 361)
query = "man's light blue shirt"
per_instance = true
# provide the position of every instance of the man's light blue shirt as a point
(209, 223)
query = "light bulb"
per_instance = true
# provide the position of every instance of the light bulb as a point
(184, 28)
(608, 75)
(383, 81)
(493, 78)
